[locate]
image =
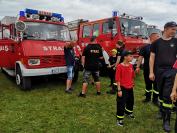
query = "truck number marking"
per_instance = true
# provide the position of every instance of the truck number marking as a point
(4, 48)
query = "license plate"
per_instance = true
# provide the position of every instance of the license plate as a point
(55, 71)
(58, 70)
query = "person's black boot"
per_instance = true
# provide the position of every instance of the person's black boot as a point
(166, 121)
(146, 100)
(161, 112)
(155, 100)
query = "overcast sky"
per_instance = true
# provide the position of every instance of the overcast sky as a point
(156, 12)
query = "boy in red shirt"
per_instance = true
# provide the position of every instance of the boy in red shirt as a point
(125, 82)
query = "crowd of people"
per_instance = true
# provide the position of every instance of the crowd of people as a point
(159, 69)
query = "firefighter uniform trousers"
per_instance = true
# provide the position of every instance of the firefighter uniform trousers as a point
(176, 120)
(151, 87)
(125, 103)
(165, 79)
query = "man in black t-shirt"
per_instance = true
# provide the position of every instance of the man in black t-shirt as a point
(90, 61)
(162, 58)
(150, 85)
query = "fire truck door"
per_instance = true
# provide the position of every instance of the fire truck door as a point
(85, 36)
(7, 54)
(105, 37)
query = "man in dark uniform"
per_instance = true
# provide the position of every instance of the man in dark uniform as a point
(162, 58)
(174, 97)
(90, 61)
(145, 53)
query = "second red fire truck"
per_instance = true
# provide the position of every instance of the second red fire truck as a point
(129, 29)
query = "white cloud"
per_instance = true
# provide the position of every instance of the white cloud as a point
(156, 12)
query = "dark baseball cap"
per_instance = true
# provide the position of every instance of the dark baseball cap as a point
(126, 53)
(170, 24)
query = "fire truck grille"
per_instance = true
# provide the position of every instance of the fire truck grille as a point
(53, 60)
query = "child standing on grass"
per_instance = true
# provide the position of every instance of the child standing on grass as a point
(125, 82)
(112, 66)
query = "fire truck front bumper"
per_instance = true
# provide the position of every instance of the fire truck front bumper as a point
(42, 71)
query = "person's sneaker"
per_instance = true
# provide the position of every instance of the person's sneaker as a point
(120, 123)
(131, 116)
(146, 100)
(98, 93)
(71, 89)
(68, 91)
(82, 95)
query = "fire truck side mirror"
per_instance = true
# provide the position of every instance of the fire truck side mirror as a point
(20, 26)
(110, 23)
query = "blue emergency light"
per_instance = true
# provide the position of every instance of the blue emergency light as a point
(115, 13)
(43, 13)
(22, 14)
(31, 11)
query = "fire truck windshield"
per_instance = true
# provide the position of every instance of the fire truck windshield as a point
(45, 31)
(132, 27)
(151, 30)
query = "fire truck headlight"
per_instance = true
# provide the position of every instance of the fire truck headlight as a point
(34, 62)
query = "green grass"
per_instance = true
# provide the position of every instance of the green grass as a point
(47, 109)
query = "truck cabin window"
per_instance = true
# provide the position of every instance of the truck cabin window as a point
(44, 31)
(86, 31)
(96, 29)
(132, 27)
(107, 30)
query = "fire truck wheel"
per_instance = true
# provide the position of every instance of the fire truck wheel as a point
(23, 82)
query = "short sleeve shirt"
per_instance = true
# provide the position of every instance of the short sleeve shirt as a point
(69, 56)
(165, 52)
(92, 53)
(145, 52)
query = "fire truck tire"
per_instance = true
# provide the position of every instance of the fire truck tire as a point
(23, 82)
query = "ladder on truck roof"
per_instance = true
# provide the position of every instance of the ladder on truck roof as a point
(73, 25)
(7, 20)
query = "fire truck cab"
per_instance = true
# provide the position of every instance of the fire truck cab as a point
(153, 28)
(33, 45)
(129, 29)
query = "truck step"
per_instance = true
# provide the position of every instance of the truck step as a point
(9, 71)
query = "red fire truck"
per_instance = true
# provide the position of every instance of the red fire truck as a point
(130, 29)
(32, 45)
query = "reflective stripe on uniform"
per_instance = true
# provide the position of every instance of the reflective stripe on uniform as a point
(128, 110)
(121, 117)
(148, 91)
(161, 101)
(167, 105)
(156, 92)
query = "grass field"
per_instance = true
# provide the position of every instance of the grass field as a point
(47, 109)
